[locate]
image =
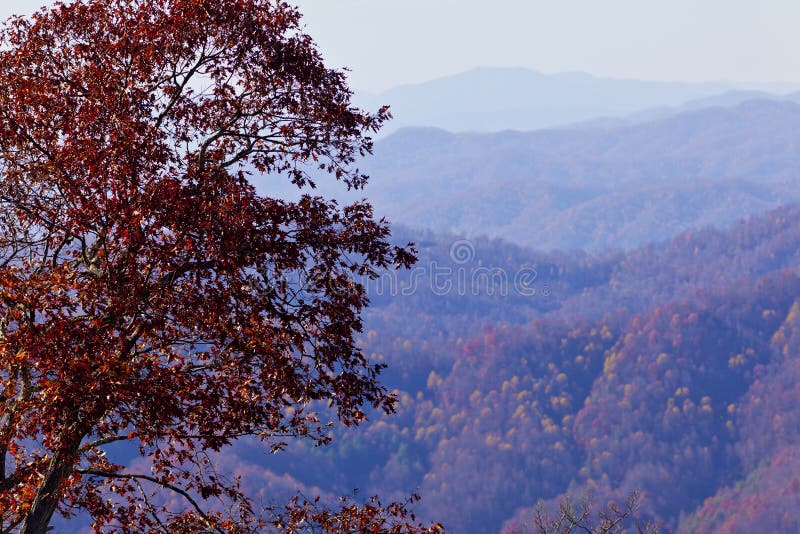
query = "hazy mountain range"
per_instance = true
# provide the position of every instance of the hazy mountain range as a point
(592, 188)
(491, 99)
(727, 99)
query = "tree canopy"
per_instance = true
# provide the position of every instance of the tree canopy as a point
(148, 293)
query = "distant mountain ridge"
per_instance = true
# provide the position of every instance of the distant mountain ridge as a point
(593, 189)
(723, 100)
(588, 188)
(494, 99)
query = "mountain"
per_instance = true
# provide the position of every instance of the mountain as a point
(592, 189)
(493, 99)
(725, 100)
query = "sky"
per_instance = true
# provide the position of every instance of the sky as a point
(391, 42)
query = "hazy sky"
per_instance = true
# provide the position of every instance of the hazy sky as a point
(389, 42)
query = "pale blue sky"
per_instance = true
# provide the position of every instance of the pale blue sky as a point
(389, 42)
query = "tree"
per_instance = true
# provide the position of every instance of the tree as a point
(574, 518)
(148, 294)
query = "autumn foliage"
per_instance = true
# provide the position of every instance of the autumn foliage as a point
(148, 293)
(672, 369)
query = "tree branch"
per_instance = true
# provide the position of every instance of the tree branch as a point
(154, 480)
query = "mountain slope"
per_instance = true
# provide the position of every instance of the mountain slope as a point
(671, 368)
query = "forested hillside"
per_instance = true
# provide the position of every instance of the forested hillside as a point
(671, 368)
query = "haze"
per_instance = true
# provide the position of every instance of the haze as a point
(387, 43)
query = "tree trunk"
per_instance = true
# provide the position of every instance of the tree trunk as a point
(47, 497)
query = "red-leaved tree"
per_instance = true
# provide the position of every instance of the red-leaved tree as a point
(148, 293)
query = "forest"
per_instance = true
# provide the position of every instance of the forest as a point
(671, 369)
